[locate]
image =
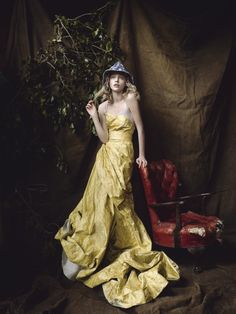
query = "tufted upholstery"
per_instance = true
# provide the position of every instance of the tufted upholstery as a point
(160, 182)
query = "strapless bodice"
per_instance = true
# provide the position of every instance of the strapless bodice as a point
(120, 127)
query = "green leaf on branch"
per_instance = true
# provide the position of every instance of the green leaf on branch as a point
(59, 80)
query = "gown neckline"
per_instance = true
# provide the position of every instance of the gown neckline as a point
(120, 115)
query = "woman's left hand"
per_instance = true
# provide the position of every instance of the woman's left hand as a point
(141, 161)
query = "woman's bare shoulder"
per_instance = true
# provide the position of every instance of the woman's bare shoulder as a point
(103, 106)
(131, 97)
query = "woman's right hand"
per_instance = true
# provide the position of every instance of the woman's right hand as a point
(91, 108)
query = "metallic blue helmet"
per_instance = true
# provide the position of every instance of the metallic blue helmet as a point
(117, 67)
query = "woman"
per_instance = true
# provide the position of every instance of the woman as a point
(104, 241)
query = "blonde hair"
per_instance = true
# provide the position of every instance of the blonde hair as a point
(105, 92)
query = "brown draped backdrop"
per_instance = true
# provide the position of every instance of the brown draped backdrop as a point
(184, 68)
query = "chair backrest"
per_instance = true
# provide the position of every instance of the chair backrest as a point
(160, 183)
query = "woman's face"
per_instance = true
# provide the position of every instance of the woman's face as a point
(117, 82)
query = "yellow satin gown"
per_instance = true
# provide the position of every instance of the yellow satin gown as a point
(104, 241)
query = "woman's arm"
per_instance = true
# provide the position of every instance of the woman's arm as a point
(98, 120)
(132, 103)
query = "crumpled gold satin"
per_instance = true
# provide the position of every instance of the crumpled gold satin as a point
(107, 239)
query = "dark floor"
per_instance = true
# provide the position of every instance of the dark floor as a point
(46, 290)
(31, 280)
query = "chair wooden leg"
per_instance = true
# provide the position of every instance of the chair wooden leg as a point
(198, 258)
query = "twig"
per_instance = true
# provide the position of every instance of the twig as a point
(66, 31)
(99, 48)
(51, 65)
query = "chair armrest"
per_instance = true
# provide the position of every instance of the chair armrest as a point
(175, 202)
(203, 197)
(186, 197)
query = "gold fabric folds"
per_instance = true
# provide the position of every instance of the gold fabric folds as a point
(106, 238)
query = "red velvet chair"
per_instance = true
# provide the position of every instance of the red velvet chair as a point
(171, 226)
